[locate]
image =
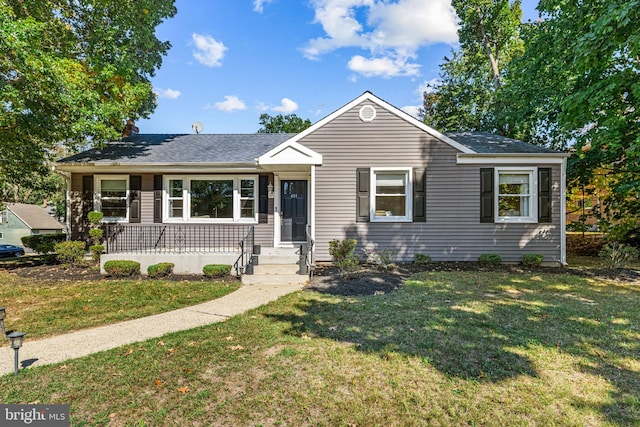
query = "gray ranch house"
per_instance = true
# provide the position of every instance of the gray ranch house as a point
(368, 171)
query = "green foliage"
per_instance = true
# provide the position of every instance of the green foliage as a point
(96, 251)
(94, 217)
(421, 259)
(343, 254)
(162, 269)
(532, 260)
(96, 234)
(380, 258)
(490, 259)
(70, 253)
(72, 72)
(618, 255)
(43, 243)
(122, 268)
(282, 124)
(216, 270)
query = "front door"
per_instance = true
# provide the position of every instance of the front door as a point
(294, 210)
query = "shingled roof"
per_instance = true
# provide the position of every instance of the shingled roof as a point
(489, 143)
(34, 217)
(183, 148)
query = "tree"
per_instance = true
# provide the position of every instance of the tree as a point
(580, 79)
(282, 124)
(465, 97)
(72, 72)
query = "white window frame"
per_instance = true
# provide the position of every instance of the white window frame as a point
(186, 197)
(408, 217)
(97, 200)
(532, 172)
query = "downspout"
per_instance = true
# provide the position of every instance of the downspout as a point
(67, 213)
(312, 196)
(563, 212)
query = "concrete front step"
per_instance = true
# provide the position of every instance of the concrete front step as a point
(277, 274)
(278, 256)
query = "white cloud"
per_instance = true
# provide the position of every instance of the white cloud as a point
(391, 31)
(286, 106)
(412, 110)
(209, 51)
(167, 93)
(258, 5)
(230, 103)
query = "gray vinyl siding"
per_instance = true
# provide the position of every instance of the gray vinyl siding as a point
(263, 232)
(452, 230)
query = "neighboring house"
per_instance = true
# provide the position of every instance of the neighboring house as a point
(368, 171)
(19, 219)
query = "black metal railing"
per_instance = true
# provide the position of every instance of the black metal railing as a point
(174, 238)
(244, 263)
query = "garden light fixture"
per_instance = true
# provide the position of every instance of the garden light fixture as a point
(16, 343)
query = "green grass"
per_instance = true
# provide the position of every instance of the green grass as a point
(481, 348)
(577, 261)
(42, 308)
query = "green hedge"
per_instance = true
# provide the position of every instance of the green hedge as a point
(162, 269)
(421, 259)
(216, 270)
(532, 260)
(43, 243)
(490, 259)
(122, 268)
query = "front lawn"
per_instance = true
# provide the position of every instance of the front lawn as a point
(448, 348)
(50, 307)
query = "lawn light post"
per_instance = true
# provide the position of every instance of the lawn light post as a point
(16, 343)
(3, 314)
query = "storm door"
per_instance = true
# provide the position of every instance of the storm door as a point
(293, 210)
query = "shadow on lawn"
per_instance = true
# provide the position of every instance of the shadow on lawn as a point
(489, 327)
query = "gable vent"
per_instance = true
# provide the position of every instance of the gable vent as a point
(367, 113)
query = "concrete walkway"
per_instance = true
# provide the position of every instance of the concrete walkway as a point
(77, 344)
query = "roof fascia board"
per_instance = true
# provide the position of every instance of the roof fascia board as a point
(368, 96)
(271, 156)
(155, 167)
(20, 218)
(504, 159)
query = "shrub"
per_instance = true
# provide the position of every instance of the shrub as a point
(43, 243)
(490, 259)
(96, 251)
(381, 259)
(216, 270)
(532, 260)
(584, 245)
(96, 235)
(421, 259)
(343, 254)
(162, 269)
(618, 255)
(122, 268)
(70, 252)
(94, 217)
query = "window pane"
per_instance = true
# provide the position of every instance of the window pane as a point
(514, 184)
(247, 209)
(175, 208)
(513, 206)
(113, 187)
(114, 208)
(390, 206)
(247, 188)
(212, 199)
(175, 188)
(390, 183)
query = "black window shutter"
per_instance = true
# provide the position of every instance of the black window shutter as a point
(87, 195)
(486, 195)
(263, 202)
(419, 196)
(362, 194)
(544, 194)
(135, 184)
(157, 198)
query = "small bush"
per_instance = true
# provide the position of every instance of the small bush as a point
(381, 259)
(70, 252)
(618, 255)
(584, 245)
(96, 251)
(532, 260)
(96, 234)
(43, 243)
(343, 254)
(162, 269)
(122, 268)
(94, 217)
(421, 259)
(490, 259)
(216, 270)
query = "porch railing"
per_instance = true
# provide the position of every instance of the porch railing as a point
(244, 263)
(175, 238)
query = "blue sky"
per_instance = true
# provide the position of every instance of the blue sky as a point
(232, 60)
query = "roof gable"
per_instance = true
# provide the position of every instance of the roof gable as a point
(290, 153)
(34, 217)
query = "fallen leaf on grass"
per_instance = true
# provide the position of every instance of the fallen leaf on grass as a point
(159, 383)
(236, 347)
(85, 308)
(161, 343)
(128, 352)
(171, 352)
(183, 390)
(191, 343)
(112, 415)
(229, 338)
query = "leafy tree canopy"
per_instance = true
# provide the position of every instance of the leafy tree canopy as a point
(72, 72)
(282, 124)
